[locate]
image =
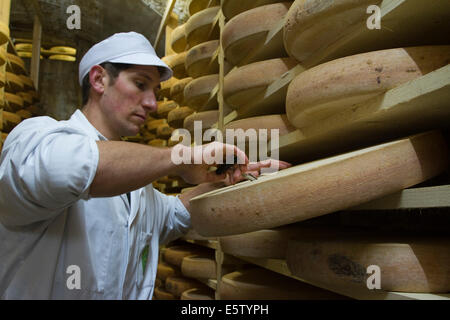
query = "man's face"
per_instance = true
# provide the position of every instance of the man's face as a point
(127, 102)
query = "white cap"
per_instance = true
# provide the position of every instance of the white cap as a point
(130, 48)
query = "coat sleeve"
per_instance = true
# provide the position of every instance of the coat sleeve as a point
(45, 167)
(175, 219)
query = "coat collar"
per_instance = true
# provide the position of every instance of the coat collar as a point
(80, 120)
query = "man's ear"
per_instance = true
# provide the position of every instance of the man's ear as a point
(98, 77)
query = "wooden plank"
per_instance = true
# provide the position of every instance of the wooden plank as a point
(5, 11)
(221, 57)
(418, 105)
(416, 198)
(169, 7)
(171, 25)
(35, 59)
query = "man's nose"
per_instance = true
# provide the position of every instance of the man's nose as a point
(149, 102)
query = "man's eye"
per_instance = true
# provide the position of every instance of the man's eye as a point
(140, 85)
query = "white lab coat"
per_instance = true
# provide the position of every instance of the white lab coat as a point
(49, 224)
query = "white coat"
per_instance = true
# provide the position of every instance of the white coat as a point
(58, 243)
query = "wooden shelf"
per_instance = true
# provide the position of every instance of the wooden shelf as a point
(280, 266)
(212, 244)
(212, 283)
(416, 198)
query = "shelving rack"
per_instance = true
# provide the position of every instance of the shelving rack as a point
(424, 101)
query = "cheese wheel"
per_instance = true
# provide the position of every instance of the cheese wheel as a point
(261, 284)
(164, 107)
(33, 94)
(147, 136)
(27, 83)
(178, 39)
(244, 37)
(244, 87)
(177, 285)
(3, 57)
(164, 131)
(407, 264)
(192, 234)
(165, 270)
(15, 65)
(178, 137)
(28, 55)
(158, 283)
(2, 79)
(13, 102)
(260, 124)
(198, 294)
(62, 50)
(4, 33)
(13, 83)
(206, 118)
(199, 267)
(162, 294)
(199, 5)
(24, 114)
(10, 120)
(231, 8)
(197, 93)
(34, 110)
(24, 47)
(320, 187)
(166, 86)
(202, 60)
(62, 57)
(177, 63)
(177, 90)
(175, 255)
(331, 87)
(312, 26)
(153, 125)
(176, 117)
(202, 26)
(27, 98)
(159, 143)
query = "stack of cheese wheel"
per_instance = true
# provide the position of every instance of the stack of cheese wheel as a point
(261, 284)
(329, 88)
(198, 123)
(202, 36)
(173, 282)
(61, 53)
(25, 50)
(407, 263)
(320, 187)
(253, 43)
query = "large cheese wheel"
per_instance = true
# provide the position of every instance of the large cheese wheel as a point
(164, 131)
(207, 119)
(14, 83)
(13, 102)
(178, 39)
(159, 143)
(164, 107)
(175, 255)
(24, 47)
(314, 25)
(271, 122)
(162, 294)
(261, 284)
(177, 90)
(199, 5)
(15, 65)
(201, 60)
(177, 285)
(153, 125)
(231, 8)
(24, 114)
(244, 87)
(166, 86)
(406, 264)
(2, 79)
(64, 50)
(177, 63)
(199, 267)
(165, 270)
(328, 88)
(245, 36)
(62, 57)
(198, 294)
(34, 94)
(27, 98)
(4, 33)
(201, 26)
(176, 117)
(320, 187)
(10, 120)
(198, 92)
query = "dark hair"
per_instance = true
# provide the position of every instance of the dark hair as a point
(113, 70)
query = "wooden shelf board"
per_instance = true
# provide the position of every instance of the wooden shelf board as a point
(414, 107)
(212, 283)
(415, 198)
(212, 244)
(280, 266)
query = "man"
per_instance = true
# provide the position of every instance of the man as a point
(77, 204)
